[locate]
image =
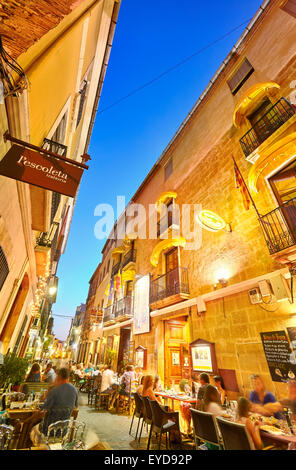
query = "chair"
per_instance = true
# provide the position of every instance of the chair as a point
(138, 413)
(205, 428)
(162, 422)
(234, 435)
(125, 399)
(6, 434)
(28, 387)
(90, 390)
(67, 433)
(96, 390)
(147, 414)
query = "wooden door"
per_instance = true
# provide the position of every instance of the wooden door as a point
(175, 363)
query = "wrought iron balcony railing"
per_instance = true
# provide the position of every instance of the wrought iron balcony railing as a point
(109, 314)
(55, 147)
(275, 117)
(279, 227)
(47, 239)
(115, 268)
(129, 257)
(172, 283)
(123, 307)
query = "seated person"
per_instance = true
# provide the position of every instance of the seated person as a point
(204, 380)
(34, 374)
(211, 404)
(49, 374)
(140, 387)
(148, 388)
(290, 402)
(107, 380)
(59, 404)
(263, 402)
(253, 429)
(219, 384)
(89, 369)
(157, 386)
(127, 380)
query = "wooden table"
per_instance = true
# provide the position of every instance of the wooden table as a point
(284, 440)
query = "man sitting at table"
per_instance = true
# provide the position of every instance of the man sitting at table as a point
(59, 404)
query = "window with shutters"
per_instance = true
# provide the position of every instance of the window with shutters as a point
(168, 169)
(4, 269)
(82, 93)
(290, 7)
(240, 76)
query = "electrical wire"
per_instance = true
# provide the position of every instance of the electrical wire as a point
(174, 67)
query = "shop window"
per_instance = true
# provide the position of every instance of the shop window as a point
(290, 7)
(240, 76)
(4, 270)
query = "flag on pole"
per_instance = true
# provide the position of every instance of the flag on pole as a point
(241, 185)
(111, 289)
(118, 283)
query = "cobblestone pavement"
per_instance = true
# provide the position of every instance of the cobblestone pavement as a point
(112, 428)
(109, 427)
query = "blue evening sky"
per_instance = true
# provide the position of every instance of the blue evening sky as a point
(127, 139)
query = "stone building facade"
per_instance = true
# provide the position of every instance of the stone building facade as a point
(247, 112)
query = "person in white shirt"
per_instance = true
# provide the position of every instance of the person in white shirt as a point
(107, 380)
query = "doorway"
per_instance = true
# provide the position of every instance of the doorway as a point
(14, 313)
(124, 349)
(177, 364)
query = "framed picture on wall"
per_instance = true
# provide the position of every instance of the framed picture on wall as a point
(203, 356)
(141, 357)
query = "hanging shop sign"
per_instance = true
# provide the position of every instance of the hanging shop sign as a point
(203, 356)
(279, 356)
(141, 306)
(41, 168)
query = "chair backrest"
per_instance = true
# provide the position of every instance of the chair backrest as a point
(6, 433)
(138, 402)
(98, 382)
(147, 408)
(234, 435)
(204, 426)
(157, 413)
(65, 432)
(28, 387)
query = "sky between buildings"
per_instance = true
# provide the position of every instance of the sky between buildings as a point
(128, 138)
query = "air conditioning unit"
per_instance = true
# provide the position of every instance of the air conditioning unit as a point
(255, 296)
(264, 288)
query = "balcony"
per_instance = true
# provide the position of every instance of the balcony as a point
(46, 239)
(115, 268)
(275, 117)
(123, 309)
(170, 288)
(55, 147)
(279, 228)
(129, 257)
(109, 316)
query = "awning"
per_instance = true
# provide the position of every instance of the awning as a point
(164, 245)
(251, 97)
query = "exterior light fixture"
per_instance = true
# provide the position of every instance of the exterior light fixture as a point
(212, 222)
(53, 288)
(222, 275)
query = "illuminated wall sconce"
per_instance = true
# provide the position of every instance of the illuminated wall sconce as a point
(212, 222)
(222, 276)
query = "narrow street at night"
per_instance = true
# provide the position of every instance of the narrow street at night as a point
(148, 230)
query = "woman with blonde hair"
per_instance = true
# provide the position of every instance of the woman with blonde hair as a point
(147, 390)
(253, 429)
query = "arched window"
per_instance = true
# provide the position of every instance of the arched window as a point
(4, 269)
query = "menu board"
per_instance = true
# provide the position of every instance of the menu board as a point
(278, 355)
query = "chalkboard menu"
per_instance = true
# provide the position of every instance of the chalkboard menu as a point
(278, 355)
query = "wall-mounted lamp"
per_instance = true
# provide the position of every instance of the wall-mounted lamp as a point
(222, 276)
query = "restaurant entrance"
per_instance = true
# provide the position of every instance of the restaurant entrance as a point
(124, 348)
(177, 364)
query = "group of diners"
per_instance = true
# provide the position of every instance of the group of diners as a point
(212, 398)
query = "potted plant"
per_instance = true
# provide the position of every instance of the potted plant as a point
(13, 370)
